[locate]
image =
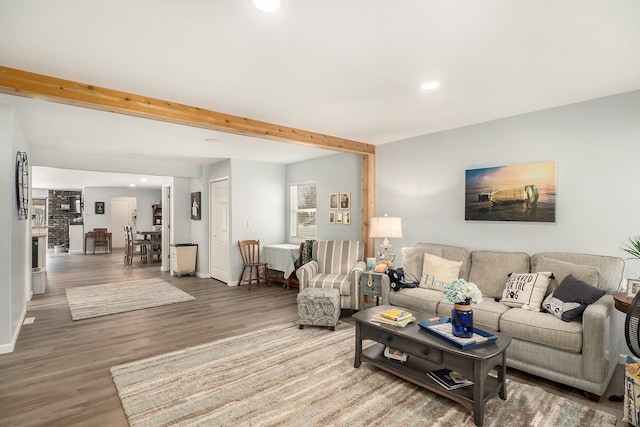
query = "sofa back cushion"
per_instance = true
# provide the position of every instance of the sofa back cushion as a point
(610, 268)
(413, 259)
(490, 270)
(562, 269)
(337, 256)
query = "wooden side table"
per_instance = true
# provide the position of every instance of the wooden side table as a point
(370, 284)
(622, 301)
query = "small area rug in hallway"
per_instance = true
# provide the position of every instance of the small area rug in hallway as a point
(286, 376)
(100, 300)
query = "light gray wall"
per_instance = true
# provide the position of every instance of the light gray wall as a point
(200, 229)
(145, 198)
(596, 145)
(257, 206)
(15, 247)
(338, 173)
(181, 211)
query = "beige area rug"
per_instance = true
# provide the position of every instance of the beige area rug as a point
(286, 376)
(100, 300)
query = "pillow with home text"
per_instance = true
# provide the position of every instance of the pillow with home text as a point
(438, 272)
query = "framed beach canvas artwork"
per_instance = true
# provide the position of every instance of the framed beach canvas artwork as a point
(525, 192)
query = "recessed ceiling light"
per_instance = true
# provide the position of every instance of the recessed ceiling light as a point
(266, 5)
(132, 185)
(430, 85)
(211, 140)
(143, 179)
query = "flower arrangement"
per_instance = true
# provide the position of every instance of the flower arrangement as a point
(460, 290)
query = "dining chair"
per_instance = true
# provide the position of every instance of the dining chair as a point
(137, 247)
(100, 239)
(250, 252)
(127, 246)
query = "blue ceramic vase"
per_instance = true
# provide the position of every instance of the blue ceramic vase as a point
(462, 319)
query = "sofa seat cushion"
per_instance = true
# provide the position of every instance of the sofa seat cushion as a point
(490, 270)
(342, 282)
(486, 314)
(418, 298)
(543, 328)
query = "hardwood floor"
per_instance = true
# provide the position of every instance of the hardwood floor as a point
(58, 374)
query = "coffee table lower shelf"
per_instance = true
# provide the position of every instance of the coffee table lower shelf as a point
(415, 370)
(484, 365)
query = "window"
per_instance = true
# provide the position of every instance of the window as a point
(303, 210)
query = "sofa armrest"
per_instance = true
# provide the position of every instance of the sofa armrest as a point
(305, 272)
(596, 342)
(386, 289)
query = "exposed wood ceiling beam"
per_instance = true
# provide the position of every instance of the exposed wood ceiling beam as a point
(32, 85)
(23, 83)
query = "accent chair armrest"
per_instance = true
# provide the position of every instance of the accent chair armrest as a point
(354, 276)
(305, 272)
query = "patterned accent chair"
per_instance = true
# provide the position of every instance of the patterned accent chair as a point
(335, 264)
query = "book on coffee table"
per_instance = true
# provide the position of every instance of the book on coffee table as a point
(378, 318)
(449, 379)
(396, 314)
(392, 353)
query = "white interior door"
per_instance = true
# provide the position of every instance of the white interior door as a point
(121, 214)
(219, 230)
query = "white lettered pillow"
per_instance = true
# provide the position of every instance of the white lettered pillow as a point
(526, 290)
(437, 272)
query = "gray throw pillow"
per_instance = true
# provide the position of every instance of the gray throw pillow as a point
(571, 298)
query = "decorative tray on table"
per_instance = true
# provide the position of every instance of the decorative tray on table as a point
(441, 327)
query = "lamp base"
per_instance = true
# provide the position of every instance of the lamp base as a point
(386, 252)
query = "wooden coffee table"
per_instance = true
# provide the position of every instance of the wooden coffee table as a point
(428, 352)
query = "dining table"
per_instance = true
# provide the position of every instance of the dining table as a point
(155, 237)
(282, 257)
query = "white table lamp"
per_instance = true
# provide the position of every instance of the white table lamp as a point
(385, 227)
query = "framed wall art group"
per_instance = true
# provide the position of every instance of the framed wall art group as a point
(339, 208)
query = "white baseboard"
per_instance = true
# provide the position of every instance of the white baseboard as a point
(9, 347)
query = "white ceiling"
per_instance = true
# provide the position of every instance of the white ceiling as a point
(347, 68)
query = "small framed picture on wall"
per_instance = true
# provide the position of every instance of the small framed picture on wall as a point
(196, 200)
(345, 200)
(100, 208)
(333, 200)
(346, 218)
(338, 217)
(332, 217)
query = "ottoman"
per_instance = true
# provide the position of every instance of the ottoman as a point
(318, 307)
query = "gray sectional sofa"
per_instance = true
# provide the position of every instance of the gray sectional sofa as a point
(581, 353)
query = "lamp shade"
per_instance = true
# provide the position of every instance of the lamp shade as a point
(385, 227)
